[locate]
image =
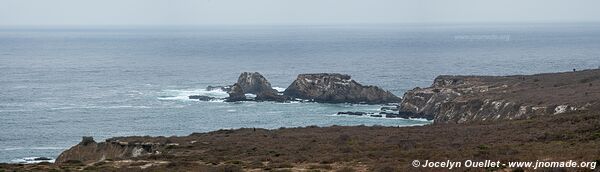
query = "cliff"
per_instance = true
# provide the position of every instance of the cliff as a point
(462, 99)
(337, 88)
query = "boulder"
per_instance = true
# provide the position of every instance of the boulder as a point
(42, 159)
(86, 140)
(337, 88)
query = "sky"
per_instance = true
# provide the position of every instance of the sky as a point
(210, 12)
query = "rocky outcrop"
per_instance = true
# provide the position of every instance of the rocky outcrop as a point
(254, 83)
(211, 88)
(88, 151)
(337, 88)
(202, 98)
(463, 99)
(352, 113)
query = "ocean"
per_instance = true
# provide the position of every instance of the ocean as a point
(58, 84)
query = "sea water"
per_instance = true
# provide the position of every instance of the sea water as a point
(58, 84)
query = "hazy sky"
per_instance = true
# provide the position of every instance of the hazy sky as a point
(199, 12)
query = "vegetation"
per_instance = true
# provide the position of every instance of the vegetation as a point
(572, 136)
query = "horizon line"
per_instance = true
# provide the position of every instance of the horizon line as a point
(304, 24)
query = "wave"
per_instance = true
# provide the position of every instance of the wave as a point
(421, 119)
(101, 107)
(183, 95)
(16, 110)
(383, 117)
(32, 148)
(279, 89)
(33, 160)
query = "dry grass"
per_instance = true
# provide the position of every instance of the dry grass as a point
(573, 136)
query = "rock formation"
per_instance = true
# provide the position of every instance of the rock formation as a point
(201, 98)
(253, 83)
(462, 99)
(337, 88)
(87, 151)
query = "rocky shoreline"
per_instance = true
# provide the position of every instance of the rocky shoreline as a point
(573, 136)
(464, 99)
(481, 117)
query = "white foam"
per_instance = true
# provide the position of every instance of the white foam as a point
(290, 102)
(183, 95)
(217, 100)
(250, 96)
(279, 89)
(31, 160)
(421, 119)
(382, 118)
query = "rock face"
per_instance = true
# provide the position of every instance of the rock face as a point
(253, 83)
(463, 99)
(87, 151)
(337, 88)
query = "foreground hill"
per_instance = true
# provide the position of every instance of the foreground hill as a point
(571, 136)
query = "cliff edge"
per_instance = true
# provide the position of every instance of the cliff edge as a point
(462, 99)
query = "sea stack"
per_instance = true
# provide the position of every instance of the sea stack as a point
(253, 83)
(337, 88)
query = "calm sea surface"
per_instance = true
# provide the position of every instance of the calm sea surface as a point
(60, 83)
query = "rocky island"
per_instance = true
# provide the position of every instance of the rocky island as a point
(254, 83)
(322, 88)
(337, 88)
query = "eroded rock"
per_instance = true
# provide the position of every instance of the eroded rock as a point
(337, 88)
(253, 83)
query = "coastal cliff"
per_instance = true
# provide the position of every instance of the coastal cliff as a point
(337, 88)
(463, 99)
(568, 102)
(572, 136)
